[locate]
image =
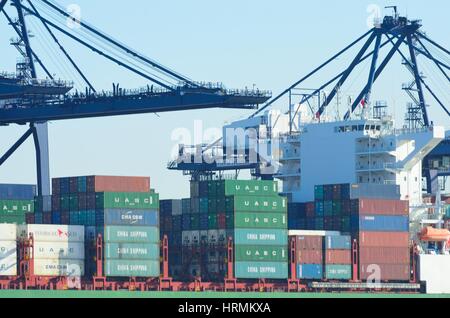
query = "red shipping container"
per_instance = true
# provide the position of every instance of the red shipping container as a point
(380, 239)
(29, 218)
(117, 184)
(309, 257)
(384, 255)
(47, 218)
(383, 207)
(309, 242)
(385, 272)
(221, 221)
(339, 257)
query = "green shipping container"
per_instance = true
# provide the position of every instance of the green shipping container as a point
(121, 200)
(14, 207)
(261, 220)
(13, 218)
(131, 234)
(212, 206)
(260, 237)
(255, 270)
(245, 253)
(131, 268)
(73, 202)
(340, 272)
(247, 188)
(318, 192)
(132, 251)
(260, 204)
(212, 222)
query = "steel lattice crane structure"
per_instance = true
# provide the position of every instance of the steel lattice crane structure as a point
(27, 100)
(394, 30)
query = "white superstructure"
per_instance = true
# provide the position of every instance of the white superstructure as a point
(364, 151)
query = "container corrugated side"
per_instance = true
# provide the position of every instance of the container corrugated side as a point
(52, 233)
(8, 232)
(380, 223)
(131, 217)
(132, 268)
(122, 200)
(55, 250)
(309, 242)
(260, 220)
(382, 207)
(16, 206)
(338, 242)
(131, 234)
(119, 184)
(389, 239)
(256, 270)
(385, 255)
(339, 272)
(249, 188)
(338, 257)
(57, 267)
(385, 272)
(309, 256)
(8, 258)
(260, 237)
(132, 251)
(17, 192)
(245, 253)
(309, 271)
(260, 204)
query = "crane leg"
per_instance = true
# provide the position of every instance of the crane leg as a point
(40, 136)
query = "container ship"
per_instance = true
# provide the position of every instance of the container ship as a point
(353, 203)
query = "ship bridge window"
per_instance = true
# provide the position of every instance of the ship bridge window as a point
(361, 127)
(354, 128)
(378, 128)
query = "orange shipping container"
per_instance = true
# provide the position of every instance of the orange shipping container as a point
(385, 272)
(383, 207)
(338, 257)
(118, 184)
(309, 257)
(380, 239)
(384, 255)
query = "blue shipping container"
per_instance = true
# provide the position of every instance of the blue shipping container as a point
(131, 217)
(309, 271)
(17, 192)
(380, 223)
(338, 242)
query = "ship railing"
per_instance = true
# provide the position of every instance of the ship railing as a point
(404, 131)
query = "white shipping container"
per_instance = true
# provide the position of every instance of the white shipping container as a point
(8, 264)
(8, 232)
(7, 248)
(54, 267)
(52, 233)
(54, 250)
(434, 271)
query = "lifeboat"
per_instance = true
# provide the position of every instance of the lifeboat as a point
(430, 234)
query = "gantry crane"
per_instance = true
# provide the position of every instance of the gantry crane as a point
(27, 100)
(394, 30)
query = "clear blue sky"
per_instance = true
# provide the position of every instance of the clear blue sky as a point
(238, 42)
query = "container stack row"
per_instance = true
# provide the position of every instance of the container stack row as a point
(251, 213)
(323, 257)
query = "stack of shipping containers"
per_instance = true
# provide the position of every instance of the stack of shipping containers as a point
(8, 250)
(249, 212)
(338, 257)
(16, 203)
(380, 224)
(58, 249)
(171, 214)
(309, 257)
(123, 209)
